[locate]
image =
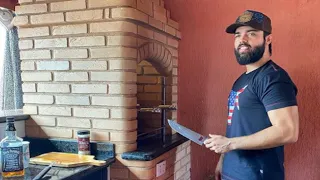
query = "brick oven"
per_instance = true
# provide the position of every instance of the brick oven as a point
(106, 66)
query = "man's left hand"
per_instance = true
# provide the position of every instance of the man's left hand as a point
(218, 144)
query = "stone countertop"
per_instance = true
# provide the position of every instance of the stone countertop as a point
(101, 151)
(74, 173)
(153, 148)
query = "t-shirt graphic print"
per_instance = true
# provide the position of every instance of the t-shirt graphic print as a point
(234, 102)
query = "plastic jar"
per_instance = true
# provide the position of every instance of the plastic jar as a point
(83, 142)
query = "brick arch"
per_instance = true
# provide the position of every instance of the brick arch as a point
(158, 55)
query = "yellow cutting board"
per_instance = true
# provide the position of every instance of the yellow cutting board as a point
(65, 160)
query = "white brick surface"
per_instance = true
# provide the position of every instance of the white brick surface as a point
(73, 122)
(68, 5)
(122, 89)
(141, 42)
(53, 65)
(123, 136)
(24, 1)
(115, 125)
(107, 13)
(33, 32)
(113, 52)
(38, 99)
(179, 35)
(175, 71)
(160, 16)
(131, 13)
(160, 37)
(173, 24)
(180, 172)
(173, 42)
(123, 64)
(150, 71)
(71, 76)
(181, 154)
(50, 43)
(177, 166)
(43, 120)
(122, 41)
(20, 20)
(170, 30)
(91, 112)
(27, 65)
(56, 111)
(29, 109)
(36, 76)
(59, 88)
(145, 32)
(56, 132)
(145, 6)
(29, 87)
(89, 15)
(47, 18)
(156, 23)
(73, 100)
(188, 150)
(35, 54)
(185, 160)
(124, 113)
(31, 9)
(25, 44)
(70, 53)
(87, 41)
(114, 76)
(114, 101)
(69, 29)
(89, 65)
(97, 135)
(188, 166)
(89, 88)
(107, 3)
(117, 26)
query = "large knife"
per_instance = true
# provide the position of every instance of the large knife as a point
(188, 133)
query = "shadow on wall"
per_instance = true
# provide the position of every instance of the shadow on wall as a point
(308, 101)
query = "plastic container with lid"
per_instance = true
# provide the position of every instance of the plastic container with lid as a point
(83, 142)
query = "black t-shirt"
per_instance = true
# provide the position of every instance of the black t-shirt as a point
(252, 96)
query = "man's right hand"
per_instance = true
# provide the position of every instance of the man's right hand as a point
(219, 168)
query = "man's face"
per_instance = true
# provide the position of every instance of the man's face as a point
(249, 45)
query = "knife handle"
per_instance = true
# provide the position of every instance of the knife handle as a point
(43, 172)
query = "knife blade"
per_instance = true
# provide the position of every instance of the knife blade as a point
(188, 133)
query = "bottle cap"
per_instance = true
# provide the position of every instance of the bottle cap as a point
(10, 119)
(83, 132)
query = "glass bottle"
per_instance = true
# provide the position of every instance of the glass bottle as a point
(11, 152)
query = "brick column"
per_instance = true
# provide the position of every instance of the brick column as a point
(79, 63)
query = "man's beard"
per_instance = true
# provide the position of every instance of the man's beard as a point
(252, 56)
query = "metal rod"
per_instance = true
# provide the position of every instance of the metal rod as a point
(149, 132)
(163, 111)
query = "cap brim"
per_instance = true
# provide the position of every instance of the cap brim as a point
(233, 27)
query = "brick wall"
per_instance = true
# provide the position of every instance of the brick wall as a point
(79, 63)
(178, 166)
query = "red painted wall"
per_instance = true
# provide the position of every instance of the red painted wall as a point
(9, 4)
(207, 69)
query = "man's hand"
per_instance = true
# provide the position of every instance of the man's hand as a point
(218, 144)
